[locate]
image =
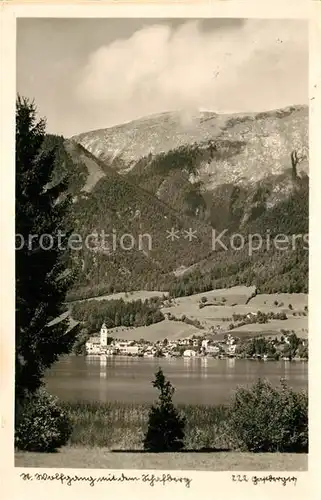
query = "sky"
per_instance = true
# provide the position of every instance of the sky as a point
(86, 74)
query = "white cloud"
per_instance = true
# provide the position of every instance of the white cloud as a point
(258, 65)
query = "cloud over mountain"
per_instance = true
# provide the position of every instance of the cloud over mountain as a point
(251, 66)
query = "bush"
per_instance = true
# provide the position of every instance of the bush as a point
(165, 426)
(43, 425)
(267, 419)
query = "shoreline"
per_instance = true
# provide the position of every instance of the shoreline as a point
(221, 358)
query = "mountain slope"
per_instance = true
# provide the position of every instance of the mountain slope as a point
(221, 169)
(245, 145)
(211, 172)
(127, 228)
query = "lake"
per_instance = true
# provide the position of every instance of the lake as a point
(198, 380)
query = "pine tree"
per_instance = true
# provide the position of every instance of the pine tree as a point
(42, 276)
(165, 426)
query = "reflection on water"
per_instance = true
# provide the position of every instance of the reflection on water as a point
(103, 367)
(197, 380)
(204, 363)
(230, 364)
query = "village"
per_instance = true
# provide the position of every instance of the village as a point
(212, 344)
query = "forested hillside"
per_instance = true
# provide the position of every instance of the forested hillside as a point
(202, 186)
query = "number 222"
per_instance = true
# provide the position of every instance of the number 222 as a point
(237, 478)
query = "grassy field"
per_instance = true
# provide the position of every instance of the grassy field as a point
(102, 458)
(220, 316)
(274, 327)
(218, 313)
(234, 295)
(158, 331)
(297, 300)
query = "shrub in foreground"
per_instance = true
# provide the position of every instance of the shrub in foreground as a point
(268, 419)
(165, 425)
(43, 425)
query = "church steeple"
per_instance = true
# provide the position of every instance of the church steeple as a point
(103, 335)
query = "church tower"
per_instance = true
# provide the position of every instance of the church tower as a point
(103, 336)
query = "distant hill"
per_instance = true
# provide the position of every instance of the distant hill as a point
(202, 172)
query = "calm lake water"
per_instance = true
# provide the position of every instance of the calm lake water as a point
(201, 380)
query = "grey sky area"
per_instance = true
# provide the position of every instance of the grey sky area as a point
(86, 74)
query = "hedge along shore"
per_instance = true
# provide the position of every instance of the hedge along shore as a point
(121, 426)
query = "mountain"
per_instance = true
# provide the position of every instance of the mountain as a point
(129, 245)
(239, 173)
(222, 169)
(232, 147)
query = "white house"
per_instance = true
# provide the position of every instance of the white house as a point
(189, 353)
(231, 349)
(287, 340)
(127, 347)
(133, 350)
(230, 340)
(93, 345)
(110, 350)
(121, 347)
(213, 349)
(205, 343)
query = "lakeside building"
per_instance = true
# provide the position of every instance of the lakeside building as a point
(127, 348)
(212, 349)
(93, 345)
(222, 345)
(231, 350)
(205, 344)
(189, 353)
(150, 351)
(98, 344)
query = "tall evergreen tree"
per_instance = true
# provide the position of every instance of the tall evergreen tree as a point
(42, 276)
(165, 425)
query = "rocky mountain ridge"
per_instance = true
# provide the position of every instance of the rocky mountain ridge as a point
(243, 147)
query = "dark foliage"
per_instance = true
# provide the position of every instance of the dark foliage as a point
(42, 277)
(44, 426)
(268, 419)
(165, 426)
(116, 313)
(272, 270)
